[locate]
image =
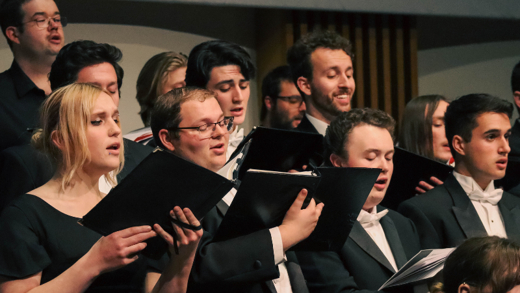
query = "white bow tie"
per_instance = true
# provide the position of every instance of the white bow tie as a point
(367, 218)
(492, 197)
(236, 139)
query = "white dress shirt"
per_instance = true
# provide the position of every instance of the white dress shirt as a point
(235, 138)
(320, 126)
(376, 232)
(282, 284)
(488, 213)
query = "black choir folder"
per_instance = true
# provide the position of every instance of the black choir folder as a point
(278, 150)
(423, 266)
(409, 170)
(264, 197)
(146, 196)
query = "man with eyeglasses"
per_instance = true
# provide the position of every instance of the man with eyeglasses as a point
(321, 66)
(190, 123)
(34, 32)
(282, 106)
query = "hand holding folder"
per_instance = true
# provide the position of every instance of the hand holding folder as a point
(146, 196)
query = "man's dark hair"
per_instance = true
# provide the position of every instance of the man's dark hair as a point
(77, 55)
(271, 85)
(204, 57)
(11, 14)
(515, 81)
(166, 113)
(461, 115)
(340, 128)
(299, 55)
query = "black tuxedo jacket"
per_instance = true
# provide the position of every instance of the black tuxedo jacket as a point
(23, 168)
(360, 266)
(244, 264)
(445, 216)
(306, 126)
(514, 141)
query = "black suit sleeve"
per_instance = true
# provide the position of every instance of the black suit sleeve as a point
(428, 236)
(245, 259)
(326, 273)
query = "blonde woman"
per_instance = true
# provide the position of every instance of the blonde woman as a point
(44, 249)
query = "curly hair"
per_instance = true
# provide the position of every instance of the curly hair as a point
(77, 55)
(299, 55)
(339, 130)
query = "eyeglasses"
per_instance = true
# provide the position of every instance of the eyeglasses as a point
(44, 23)
(293, 100)
(206, 130)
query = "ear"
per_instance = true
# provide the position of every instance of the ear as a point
(304, 85)
(13, 34)
(269, 103)
(459, 145)
(165, 138)
(336, 160)
(516, 96)
(464, 288)
(57, 140)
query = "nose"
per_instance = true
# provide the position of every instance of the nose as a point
(238, 95)
(504, 147)
(302, 107)
(218, 130)
(384, 165)
(53, 24)
(114, 129)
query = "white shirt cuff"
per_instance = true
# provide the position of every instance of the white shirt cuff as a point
(279, 254)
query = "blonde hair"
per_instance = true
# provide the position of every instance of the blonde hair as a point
(152, 78)
(64, 117)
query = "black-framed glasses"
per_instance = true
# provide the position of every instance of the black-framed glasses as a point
(44, 23)
(207, 129)
(293, 100)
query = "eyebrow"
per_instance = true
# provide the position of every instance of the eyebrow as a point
(43, 13)
(231, 81)
(104, 113)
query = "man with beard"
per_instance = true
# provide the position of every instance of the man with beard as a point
(321, 66)
(282, 106)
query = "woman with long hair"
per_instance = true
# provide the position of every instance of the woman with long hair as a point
(44, 249)
(422, 132)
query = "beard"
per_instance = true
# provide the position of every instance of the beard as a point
(281, 119)
(325, 104)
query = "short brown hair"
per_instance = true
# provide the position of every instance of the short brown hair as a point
(483, 262)
(340, 129)
(167, 109)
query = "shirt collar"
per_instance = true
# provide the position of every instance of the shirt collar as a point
(22, 83)
(469, 184)
(320, 126)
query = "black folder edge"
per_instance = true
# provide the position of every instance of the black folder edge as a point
(228, 225)
(222, 189)
(334, 212)
(257, 131)
(394, 196)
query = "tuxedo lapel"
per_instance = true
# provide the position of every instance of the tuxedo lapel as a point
(222, 207)
(511, 219)
(394, 241)
(306, 126)
(365, 242)
(464, 211)
(295, 273)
